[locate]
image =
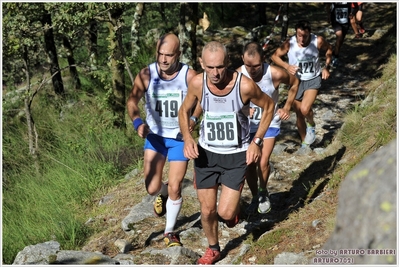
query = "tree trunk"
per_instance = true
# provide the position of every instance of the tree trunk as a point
(91, 43)
(117, 67)
(162, 11)
(187, 33)
(29, 120)
(222, 13)
(32, 133)
(51, 52)
(262, 14)
(135, 30)
(71, 62)
(284, 29)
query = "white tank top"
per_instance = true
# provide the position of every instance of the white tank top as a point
(163, 99)
(267, 86)
(224, 127)
(307, 58)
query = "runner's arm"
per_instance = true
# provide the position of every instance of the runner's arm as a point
(279, 53)
(192, 98)
(325, 46)
(293, 82)
(250, 91)
(140, 84)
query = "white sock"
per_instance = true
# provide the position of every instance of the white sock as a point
(173, 208)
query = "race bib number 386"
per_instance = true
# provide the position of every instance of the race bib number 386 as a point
(221, 129)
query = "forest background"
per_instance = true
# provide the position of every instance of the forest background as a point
(67, 71)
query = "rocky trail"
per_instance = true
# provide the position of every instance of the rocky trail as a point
(131, 233)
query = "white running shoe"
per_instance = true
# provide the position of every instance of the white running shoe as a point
(335, 62)
(310, 134)
(264, 202)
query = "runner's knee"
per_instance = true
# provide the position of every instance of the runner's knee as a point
(305, 110)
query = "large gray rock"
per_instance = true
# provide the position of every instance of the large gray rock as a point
(43, 254)
(49, 253)
(289, 258)
(365, 230)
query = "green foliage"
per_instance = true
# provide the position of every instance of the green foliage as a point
(41, 208)
(380, 113)
(372, 124)
(266, 243)
(15, 152)
(21, 31)
(80, 155)
(145, 56)
(163, 16)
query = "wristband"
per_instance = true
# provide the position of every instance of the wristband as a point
(137, 122)
(194, 119)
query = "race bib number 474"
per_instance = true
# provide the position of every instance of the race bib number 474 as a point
(221, 129)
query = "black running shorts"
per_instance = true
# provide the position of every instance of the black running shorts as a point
(212, 169)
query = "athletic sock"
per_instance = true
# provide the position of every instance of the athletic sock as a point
(173, 208)
(215, 247)
(164, 190)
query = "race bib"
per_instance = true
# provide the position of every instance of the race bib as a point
(341, 14)
(256, 116)
(220, 129)
(165, 105)
(306, 68)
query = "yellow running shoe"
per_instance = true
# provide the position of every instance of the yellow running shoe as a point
(171, 240)
(160, 205)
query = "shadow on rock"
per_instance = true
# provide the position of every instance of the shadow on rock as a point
(284, 203)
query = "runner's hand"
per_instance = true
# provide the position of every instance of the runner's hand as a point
(254, 153)
(284, 114)
(190, 149)
(143, 130)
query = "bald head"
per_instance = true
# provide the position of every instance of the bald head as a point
(171, 40)
(168, 54)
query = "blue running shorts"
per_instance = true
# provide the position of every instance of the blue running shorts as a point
(169, 147)
(272, 132)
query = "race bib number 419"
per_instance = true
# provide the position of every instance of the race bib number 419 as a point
(166, 104)
(220, 129)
